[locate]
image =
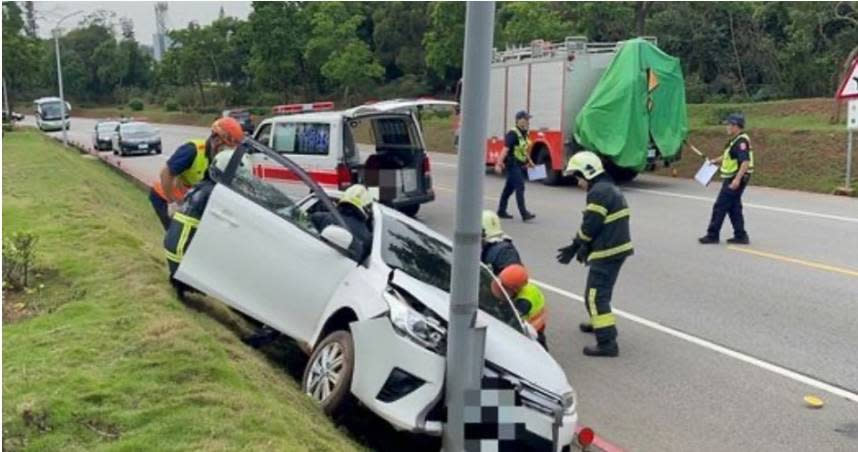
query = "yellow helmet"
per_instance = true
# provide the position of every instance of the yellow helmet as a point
(222, 158)
(358, 196)
(491, 226)
(586, 163)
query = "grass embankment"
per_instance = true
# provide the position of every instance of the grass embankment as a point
(151, 114)
(795, 145)
(104, 356)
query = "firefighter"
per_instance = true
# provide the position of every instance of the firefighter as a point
(526, 296)
(498, 250)
(187, 166)
(603, 242)
(515, 158)
(737, 165)
(185, 220)
(355, 207)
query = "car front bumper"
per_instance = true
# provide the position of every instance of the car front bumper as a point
(403, 382)
(134, 148)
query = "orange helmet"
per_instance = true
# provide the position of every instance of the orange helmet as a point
(228, 130)
(513, 278)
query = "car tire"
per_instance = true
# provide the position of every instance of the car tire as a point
(334, 356)
(410, 210)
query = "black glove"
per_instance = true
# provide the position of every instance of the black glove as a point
(566, 254)
(583, 252)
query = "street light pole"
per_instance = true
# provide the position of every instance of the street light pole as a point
(465, 344)
(60, 76)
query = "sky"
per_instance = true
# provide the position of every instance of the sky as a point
(179, 14)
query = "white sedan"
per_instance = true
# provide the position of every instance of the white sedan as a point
(375, 329)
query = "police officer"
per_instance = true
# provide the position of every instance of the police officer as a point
(498, 250)
(187, 166)
(603, 242)
(355, 207)
(183, 224)
(737, 165)
(526, 296)
(515, 158)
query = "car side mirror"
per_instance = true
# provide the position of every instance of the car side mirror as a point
(531, 331)
(337, 236)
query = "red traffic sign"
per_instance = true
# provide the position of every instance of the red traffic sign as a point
(849, 87)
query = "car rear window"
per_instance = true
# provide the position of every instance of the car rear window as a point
(302, 138)
(421, 256)
(394, 131)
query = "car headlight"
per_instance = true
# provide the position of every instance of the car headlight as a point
(425, 330)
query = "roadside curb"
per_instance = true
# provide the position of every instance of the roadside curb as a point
(114, 164)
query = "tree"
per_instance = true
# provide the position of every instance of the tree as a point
(278, 32)
(398, 29)
(445, 40)
(336, 49)
(126, 25)
(22, 55)
(523, 22)
(32, 30)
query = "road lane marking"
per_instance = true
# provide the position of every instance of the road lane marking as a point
(793, 260)
(747, 204)
(765, 365)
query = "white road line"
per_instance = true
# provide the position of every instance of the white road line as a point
(792, 375)
(447, 165)
(747, 204)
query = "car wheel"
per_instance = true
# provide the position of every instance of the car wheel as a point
(410, 210)
(328, 375)
(158, 151)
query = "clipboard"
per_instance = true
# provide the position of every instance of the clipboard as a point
(705, 173)
(537, 173)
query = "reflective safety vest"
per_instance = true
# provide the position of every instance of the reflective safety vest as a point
(729, 165)
(520, 149)
(175, 246)
(536, 315)
(191, 176)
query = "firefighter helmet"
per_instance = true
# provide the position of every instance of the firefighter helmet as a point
(358, 196)
(221, 160)
(586, 163)
(492, 230)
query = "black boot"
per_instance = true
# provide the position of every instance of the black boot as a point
(707, 240)
(744, 240)
(585, 327)
(606, 349)
(504, 215)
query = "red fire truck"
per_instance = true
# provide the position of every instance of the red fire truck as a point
(552, 81)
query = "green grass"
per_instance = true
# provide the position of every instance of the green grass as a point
(105, 357)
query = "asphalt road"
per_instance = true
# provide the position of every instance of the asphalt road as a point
(719, 344)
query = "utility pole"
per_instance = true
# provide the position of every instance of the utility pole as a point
(60, 76)
(466, 344)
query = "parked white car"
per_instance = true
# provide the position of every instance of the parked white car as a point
(375, 330)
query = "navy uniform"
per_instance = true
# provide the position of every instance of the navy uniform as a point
(498, 251)
(603, 242)
(515, 161)
(729, 201)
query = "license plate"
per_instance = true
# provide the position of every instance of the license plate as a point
(143, 146)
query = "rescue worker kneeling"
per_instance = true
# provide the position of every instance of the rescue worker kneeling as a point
(498, 251)
(355, 207)
(526, 296)
(603, 242)
(184, 222)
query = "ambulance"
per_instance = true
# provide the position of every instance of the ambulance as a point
(379, 145)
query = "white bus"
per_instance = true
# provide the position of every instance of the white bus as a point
(48, 112)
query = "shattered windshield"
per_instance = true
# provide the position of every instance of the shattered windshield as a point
(428, 259)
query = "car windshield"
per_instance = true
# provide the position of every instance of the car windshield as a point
(138, 129)
(106, 126)
(405, 248)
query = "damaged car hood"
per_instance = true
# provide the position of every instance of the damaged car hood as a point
(505, 347)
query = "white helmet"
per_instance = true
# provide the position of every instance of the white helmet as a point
(492, 230)
(222, 158)
(358, 196)
(586, 163)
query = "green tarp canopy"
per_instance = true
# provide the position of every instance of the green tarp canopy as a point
(641, 94)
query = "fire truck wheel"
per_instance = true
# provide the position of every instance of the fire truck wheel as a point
(411, 210)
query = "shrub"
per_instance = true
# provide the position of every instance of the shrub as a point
(19, 253)
(135, 104)
(171, 105)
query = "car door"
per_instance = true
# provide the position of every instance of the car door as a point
(258, 252)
